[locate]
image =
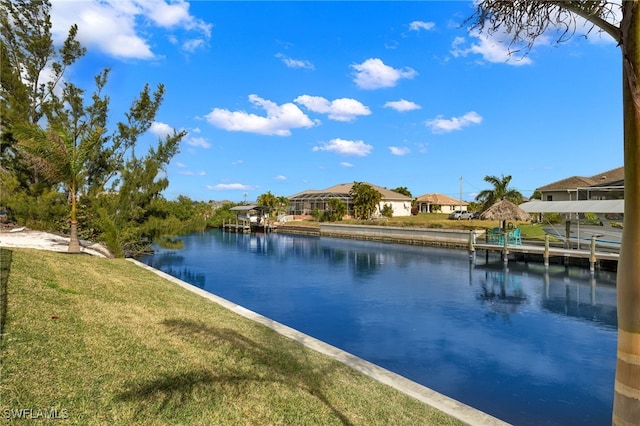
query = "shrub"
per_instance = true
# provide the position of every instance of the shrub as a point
(552, 218)
(317, 215)
(387, 210)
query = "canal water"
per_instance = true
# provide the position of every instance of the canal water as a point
(529, 347)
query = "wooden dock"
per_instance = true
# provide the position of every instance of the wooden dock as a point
(545, 251)
(238, 227)
(247, 227)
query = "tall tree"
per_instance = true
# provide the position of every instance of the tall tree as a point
(267, 199)
(403, 190)
(51, 129)
(61, 158)
(366, 200)
(277, 204)
(500, 190)
(526, 20)
(31, 70)
(131, 216)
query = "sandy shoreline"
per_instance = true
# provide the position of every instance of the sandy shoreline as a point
(38, 240)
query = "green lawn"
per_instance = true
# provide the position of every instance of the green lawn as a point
(106, 342)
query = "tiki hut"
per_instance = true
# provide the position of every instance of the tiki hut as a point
(504, 210)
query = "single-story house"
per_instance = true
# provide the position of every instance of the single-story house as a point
(304, 203)
(608, 185)
(432, 203)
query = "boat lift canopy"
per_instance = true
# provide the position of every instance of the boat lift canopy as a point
(248, 208)
(580, 206)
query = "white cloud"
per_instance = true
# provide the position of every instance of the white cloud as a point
(346, 164)
(167, 15)
(345, 147)
(179, 164)
(422, 148)
(420, 25)
(230, 186)
(114, 26)
(161, 130)
(491, 48)
(197, 141)
(192, 173)
(280, 177)
(391, 44)
(443, 125)
(295, 63)
(402, 105)
(193, 44)
(279, 121)
(237, 162)
(343, 109)
(400, 151)
(374, 74)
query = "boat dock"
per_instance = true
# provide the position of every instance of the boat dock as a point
(238, 227)
(247, 227)
(546, 252)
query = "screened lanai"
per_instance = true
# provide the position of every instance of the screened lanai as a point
(306, 202)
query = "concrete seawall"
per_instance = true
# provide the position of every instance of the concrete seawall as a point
(457, 239)
(454, 238)
(419, 236)
(447, 405)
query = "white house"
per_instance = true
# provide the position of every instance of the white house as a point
(304, 203)
(439, 203)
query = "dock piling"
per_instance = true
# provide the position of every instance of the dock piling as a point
(592, 258)
(546, 252)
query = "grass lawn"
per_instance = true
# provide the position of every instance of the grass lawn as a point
(106, 342)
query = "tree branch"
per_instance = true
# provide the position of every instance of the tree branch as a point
(577, 8)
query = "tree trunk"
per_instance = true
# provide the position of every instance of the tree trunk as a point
(626, 405)
(74, 243)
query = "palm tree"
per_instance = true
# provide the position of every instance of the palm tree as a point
(489, 197)
(525, 21)
(62, 158)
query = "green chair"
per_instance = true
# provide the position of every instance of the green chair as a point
(515, 238)
(493, 236)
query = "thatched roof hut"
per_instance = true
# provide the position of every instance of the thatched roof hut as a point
(505, 210)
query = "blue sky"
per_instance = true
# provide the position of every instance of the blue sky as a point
(290, 96)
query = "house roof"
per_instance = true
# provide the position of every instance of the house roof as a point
(342, 190)
(575, 182)
(441, 199)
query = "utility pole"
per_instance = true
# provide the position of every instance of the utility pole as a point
(460, 207)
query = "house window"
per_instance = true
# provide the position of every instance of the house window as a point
(549, 197)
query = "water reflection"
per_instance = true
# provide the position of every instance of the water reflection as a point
(527, 345)
(582, 300)
(501, 292)
(173, 263)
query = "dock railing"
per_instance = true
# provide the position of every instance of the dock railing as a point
(504, 247)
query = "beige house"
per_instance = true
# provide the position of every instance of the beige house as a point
(608, 185)
(439, 203)
(304, 203)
